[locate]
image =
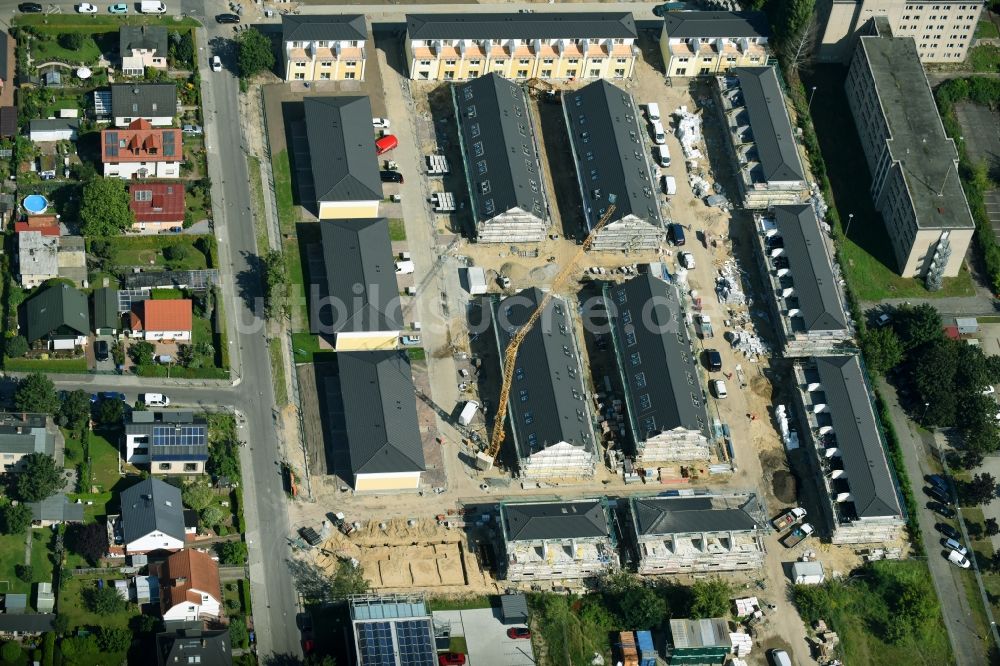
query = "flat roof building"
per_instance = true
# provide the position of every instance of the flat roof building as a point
(703, 43)
(168, 441)
(392, 629)
(759, 137)
(804, 286)
(605, 135)
(912, 161)
(500, 153)
(548, 415)
(704, 641)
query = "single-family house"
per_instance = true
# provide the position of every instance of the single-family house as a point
(157, 207)
(53, 129)
(107, 314)
(57, 318)
(342, 156)
(141, 151)
(151, 519)
(168, 319)
(703, 43)
(194, 645)
(156, 103)
(169, 442)
(324, 47)
(189, 587)
(37, 258)
(23, 434)
(55, 510)
(393, 629)
(47, 225)
(142, 46)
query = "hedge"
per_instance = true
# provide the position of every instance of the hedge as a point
(896, 457)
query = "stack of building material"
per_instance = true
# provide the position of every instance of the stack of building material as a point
(688, 132)
(789, 437)
(628, 653)
(699, 185)
(742, 644)
(728, 284)
(749, 344)
(647, 654)
(747, 606)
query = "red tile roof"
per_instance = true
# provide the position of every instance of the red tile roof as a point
(157, 202)
(48, 225)
(168, 315)
(186, 571)
(141, 143)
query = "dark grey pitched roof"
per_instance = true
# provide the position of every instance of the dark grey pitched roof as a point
(814, 283)
(380, 412)
(172, 435)
(152, 505)
(686, 515)
(606, 137)
(327, 27)
(536, 25)
(664, 373)
(52, 124)
(683, 25)
(342, 148)
(26, 623)
(769, 124)
(196, 645)
(554, 520)
(106, 313)
(57, 508)
(548, 402)
(858, 436)
(143, 100)
(4, 61)
(57, 310)
(360, 278)
(498, 146)
(142, 37)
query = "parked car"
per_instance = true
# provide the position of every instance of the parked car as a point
(687, 260)
(941, 509)
(662, 155)
(713, 360)
(30, 8)
(937, 480)
(385, 143)
(118, 8)
(677, 234)
(451, 659)
(778, 658)
(154, 400)
(659, 135)
(390, 176)
(518, 632)
(381, 123)
(719, 388)
(227, 18)
(936, 493)
(948, 531)
(958, 559)
(955, 545)
(192, 129)
(216, 63)
(101, 350)
(86, 8)
(653, 111)
(175, 230)
(106, 395)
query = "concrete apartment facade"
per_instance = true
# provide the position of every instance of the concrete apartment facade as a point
(913, 163)
(698, 534)
(942, 29)
(536, 45)
(806, 298)
(500, 154)
(605, 134)
(705, 43)
(759, 137)
(856, 482)
(324, 48)
(558, 540)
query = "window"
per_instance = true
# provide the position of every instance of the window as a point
(190, 467)
(644, 401)
(522, 73)
(449, 63)
(649, 424)
(529, 418)
(635, 358)
(519, 373)
(326, 64)
(349, 75)
(546, 73)
(474, 129)
(477, 148)
(481, 167)
(640, 380)
(630, 338)
(164, 466)
(627, 316)
(425, 63)
(524, 395)
(324, 76)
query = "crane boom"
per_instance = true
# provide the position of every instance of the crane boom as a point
(510, 354)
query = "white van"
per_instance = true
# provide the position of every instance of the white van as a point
(468, 412)
(653, 112)
(662, 155)
(659, 136)
(154, 400)
(152, 7)
(669, 186)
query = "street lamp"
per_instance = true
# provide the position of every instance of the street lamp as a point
(811, 95)
(850, 218)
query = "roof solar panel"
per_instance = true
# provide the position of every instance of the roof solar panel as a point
(169, 146)
(403, 643)
(179, 436)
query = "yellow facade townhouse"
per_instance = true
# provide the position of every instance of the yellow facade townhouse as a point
(548, 46)
(707, 43)
(324, 48)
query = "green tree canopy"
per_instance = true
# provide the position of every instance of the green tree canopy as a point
(11, 653)
(103, 600)
(17, 346)
(74, 413)
(36, 393)
(114, 639)
(15, 518)
(110, 412)
(916, 325)
(141, 352)
(38, 479)
(238, 635)
(197, 494)
(104, 209)
(232, 553)
(255, 54)
(710, 598)
(883, 350)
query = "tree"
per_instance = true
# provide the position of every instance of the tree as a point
(232, 553)
(916, 325)
(197, 494)
(982, 489)
(143, 624)
(797, 52)
(710, 598)
(71, 41)
(60, 623)
(177, 252)
(255, 54)
(238, 635)
(182, 48)
(991, 527)
(36, 393)
(11, 653)
(24, 572)
(89, 541)
(74, 413)
(141, 352)
(38, 479)
(934, 379)
(213, 514)
(110, 412)
(102, 252)
(103, 600)
(16, 518)
(17, 346)
(274, 283)
(104, 208)
(883, 350)
(114, 639)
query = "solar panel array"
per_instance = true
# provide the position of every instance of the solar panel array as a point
(126, 297)
(413, 645)
(179, 436)
(111, 144)
(169, 146)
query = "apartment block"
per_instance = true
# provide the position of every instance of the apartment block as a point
(913, 163)
(605, 135)
(536, 45)
(698, 534)
(324, 48)
(759, 136)
(805, 294)
(942, 29)
(857, 484)
(558, 540)
(704, 43)
(500, 154)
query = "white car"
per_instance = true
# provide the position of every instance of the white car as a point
(958, 559)
(86, 8)
(216, 64)
(381, 123)
(659, 135)
(719, 387)
(154, 400)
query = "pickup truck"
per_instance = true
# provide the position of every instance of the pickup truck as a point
(786, 518)
(797, 535)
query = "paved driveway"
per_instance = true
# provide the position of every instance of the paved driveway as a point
(486, 637)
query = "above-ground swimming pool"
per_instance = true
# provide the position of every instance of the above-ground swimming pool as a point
(35, 204)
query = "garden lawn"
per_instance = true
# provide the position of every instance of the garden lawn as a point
(148, 251)
(304, 346)
(71, 604)
(982, 550)
(57, 365)
(986, 30)
(41, 554)
(282, 172)
(984, 58)
(46, 50)
(397, 230)
(12, 554)
(104, 460)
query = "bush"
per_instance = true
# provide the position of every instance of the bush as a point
(24, 572)
(232, 553)
(71, 41)
(15, 518)
(17, 346)
(103, 600)
(178, 252)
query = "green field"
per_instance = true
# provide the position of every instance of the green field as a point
(986, 30)
(71, 604)
(45, 50)
(984, 58)
(304, 347)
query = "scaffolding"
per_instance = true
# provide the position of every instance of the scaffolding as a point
(513, 226)
(678, 445)
(562, 460)
(701, 553)
(629, 234)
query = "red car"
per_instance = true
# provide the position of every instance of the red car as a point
(451, 659)
(385, 143)
(518, 632)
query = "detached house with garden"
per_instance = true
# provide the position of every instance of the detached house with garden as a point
(151, 519)
(141, 151)
(57, 318)
(142, 46)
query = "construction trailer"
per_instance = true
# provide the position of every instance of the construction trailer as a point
(705, 641)
(698, 534)
(558, 540)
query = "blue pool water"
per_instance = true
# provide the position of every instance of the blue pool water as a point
(35, 204)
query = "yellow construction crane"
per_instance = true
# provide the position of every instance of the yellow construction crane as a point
(485, 459)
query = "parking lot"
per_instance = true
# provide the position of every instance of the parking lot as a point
(486, 637)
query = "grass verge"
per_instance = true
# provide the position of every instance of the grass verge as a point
(58, 365)
(257, 201)
(281, 169)
(277, 372)
(304, 347)
(397, 229)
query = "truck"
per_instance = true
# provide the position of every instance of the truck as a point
(468, 412)
(477, 280)
(787, 518)
(797, 535)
